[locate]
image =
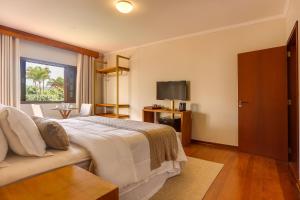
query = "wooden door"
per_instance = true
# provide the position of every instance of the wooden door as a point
(262, 96)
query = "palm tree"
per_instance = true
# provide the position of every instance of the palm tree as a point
(38, 75)
(31, 73)
(45, 76)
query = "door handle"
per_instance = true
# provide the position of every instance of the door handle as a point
(241, 102)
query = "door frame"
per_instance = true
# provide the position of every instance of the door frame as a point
(294, 38)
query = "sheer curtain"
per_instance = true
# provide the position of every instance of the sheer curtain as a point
(9, 71)
(85, 80)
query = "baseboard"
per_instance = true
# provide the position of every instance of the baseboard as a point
(216, 145)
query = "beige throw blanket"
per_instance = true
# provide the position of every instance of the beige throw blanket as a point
(162, 139)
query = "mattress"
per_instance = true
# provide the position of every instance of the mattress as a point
(20, 167)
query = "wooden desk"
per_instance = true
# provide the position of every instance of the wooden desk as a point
(186, 121)
(67, 183)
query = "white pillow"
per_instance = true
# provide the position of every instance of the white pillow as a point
(21, 132)
(3, 146)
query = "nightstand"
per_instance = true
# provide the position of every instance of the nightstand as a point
(67, 183)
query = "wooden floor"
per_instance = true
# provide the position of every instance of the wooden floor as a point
(245, 176)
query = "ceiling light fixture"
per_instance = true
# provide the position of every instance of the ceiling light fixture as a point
(124, 6)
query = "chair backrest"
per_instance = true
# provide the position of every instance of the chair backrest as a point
(37, 110)
(85, 110)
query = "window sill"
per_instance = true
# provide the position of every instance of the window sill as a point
(44, 102)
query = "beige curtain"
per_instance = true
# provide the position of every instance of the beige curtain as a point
(85, 80)
(9, 71)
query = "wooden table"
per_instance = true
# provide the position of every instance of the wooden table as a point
(185, 121)
(67, 183)
(65, 112)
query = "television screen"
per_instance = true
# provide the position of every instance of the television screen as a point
(171, 90)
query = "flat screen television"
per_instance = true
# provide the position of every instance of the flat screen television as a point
(172, 90)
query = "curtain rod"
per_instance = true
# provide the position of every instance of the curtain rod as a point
(46, 41)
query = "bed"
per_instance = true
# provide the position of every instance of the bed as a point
(119, 149)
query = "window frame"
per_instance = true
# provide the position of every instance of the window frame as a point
(23, 61)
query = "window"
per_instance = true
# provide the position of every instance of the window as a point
(47, 82)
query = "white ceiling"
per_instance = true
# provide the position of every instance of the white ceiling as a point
(96, 24)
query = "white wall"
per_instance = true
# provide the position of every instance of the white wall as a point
(293, 14)
(209, 62)
(46, 53)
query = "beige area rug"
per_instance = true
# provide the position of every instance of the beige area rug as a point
(193, 183)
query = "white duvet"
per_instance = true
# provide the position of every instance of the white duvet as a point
(121, 156)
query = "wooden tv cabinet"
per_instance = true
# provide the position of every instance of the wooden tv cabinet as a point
(149, 115)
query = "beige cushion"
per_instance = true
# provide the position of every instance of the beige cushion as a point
(21, 132)
(3, 147)
(53, 133)
(21, 167)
